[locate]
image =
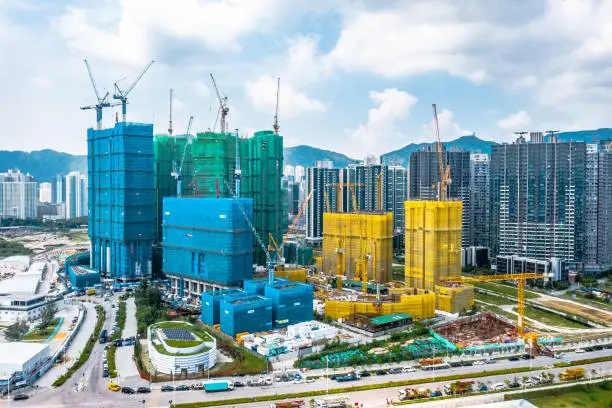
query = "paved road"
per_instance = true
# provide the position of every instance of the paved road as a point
(126, 366)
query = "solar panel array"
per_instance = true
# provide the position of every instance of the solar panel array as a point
(178, 334)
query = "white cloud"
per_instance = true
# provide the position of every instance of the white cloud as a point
(515, 122)
(201, 88)
(378, 132)
(529, 81)
(130, 36)
(292, 103)
(448, 128)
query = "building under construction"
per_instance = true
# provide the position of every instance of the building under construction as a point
(433, 252)
(261, 165)
(417, 303)
(484, 332)
(358, 245)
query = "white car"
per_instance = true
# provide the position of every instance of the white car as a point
(408, 370)
(498, 386)
(579, 350)
(478, 362)
(310, 380)
(298, 381)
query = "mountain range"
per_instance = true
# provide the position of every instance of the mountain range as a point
(44, 164)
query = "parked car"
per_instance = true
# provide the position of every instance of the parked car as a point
(238, 384)
(490, 361)
(395, 370)
(128, 390)
(118, 343)
(310, 380)
(104, 373)
(435, 394)
(589, 349)
(182, 387)
(197, 386)
(167, 388)
(527, 356)
(514, 384)
(498, 386)
(364, 373)
(455, 364)
(20, 397)
(381, 372)
(467, 363)
(598, 347)
(143, 390)
(513, 358)
(478, 362)
(579, 350)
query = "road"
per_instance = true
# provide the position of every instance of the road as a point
(126, 366)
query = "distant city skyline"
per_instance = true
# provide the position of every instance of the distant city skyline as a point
(492, 67)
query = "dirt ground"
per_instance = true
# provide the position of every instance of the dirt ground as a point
(585, 312)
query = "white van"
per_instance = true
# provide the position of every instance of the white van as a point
(498, 386)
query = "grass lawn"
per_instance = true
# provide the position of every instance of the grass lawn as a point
(495, 300)
(183, 343)
(551, 318)
(503, 289)
(177, 324)
(36, 335)
(10, 248)
(591, 302)
(594, 396)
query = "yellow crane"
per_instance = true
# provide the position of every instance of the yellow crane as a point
(444, 169)
(338, 187)
(379, 189)
(520, 278)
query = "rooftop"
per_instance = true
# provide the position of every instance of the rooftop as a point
(19, 352)
(390, 318)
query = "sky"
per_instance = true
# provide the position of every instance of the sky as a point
(357, 76)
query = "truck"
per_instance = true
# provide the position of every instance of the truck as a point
(430, 361)
(90, 292)
(338, 401)
(287, 404)
(347, 377)
(571, 374)
(459, 387)
(218, 386)
(412, 393)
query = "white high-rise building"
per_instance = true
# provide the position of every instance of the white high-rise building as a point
(18, 195)
(44, 193)
(76, 195)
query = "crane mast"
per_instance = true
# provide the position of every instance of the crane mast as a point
(122, 94)
(223, 108)
(102, 102)
(444, 169)
(276, 127)
(178, 175)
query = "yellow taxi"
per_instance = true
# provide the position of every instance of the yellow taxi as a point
(114, 387)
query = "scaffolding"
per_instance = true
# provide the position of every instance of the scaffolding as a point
(421, 305)
(433, 242)
(359, 238)
(454, 298)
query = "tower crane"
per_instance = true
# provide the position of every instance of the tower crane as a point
(122, 94)
(270, 263)
(444, 169)
(520, 278)
(102, 102)
(170, 120)
(275, 126)
(552, 134)
(223, 108)
(338, 187)
(521, 133)
(178, 174)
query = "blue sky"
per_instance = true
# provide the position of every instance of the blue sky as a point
(356, 77)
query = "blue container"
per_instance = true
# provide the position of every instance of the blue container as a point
(208, 239)
(210, 304)
(241, 314)
(120, 199)
(292, 302)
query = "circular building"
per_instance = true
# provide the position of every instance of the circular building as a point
(180, 347)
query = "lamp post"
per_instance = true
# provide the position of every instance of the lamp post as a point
(326, 374)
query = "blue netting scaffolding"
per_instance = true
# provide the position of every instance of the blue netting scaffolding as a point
(241, 314)
(291, 302)
(120, 199)
(208, 239)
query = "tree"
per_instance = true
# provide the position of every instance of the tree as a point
(16, 330)
(47, 314)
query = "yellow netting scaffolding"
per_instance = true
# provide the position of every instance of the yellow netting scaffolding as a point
(420, 306)
(454, 299)
(355, 242)
(433, 242)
